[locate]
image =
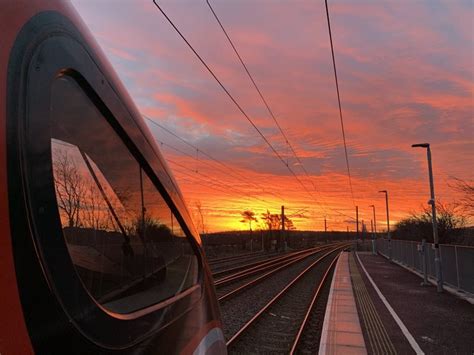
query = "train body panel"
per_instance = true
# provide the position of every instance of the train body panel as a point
(122, 270)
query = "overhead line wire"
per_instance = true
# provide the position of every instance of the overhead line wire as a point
(221, 85)
(208, 183)
(231, 187)
(251, 78)
(339, 103)
(218, 182)
(268, 106)
(270, 111)
(205, 175)
(230, 96)
(193, 157)
(237, 175)
(234, 100)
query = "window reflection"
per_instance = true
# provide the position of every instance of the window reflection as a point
(124, 241)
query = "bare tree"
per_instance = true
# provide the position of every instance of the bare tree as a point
(272, 221)
(419, 225)
(70, 187)
(289, 225)
(94, 211)
(200, 217)
(248, 216)
(467, 189)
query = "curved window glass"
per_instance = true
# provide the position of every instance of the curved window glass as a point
(123, 239)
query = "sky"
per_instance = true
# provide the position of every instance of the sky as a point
(405, 71)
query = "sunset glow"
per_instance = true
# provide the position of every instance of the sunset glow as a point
(405, 73)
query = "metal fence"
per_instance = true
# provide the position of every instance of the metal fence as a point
(457, 262)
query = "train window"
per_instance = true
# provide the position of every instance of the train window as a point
(124, 241)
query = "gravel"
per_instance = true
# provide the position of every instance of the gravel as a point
(275, 330)
(241, 262)
(311, 336)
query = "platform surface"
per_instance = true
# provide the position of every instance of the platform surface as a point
(342, 333)
(440, 323)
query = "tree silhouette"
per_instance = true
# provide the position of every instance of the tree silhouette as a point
(247, 217)
(272, 221)
(419, 225)
(289, 225)
(70, 187)
(94, 211)
(467, 189)
(199, 217)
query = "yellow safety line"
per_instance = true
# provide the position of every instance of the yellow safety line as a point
(379, 339)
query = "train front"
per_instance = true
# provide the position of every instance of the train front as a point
(98, 252)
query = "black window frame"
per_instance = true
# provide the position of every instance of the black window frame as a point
(59, 50)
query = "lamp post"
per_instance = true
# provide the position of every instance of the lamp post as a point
(432, 202)
(388, 225)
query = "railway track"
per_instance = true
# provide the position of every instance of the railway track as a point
(233, 284)
(239, 267)
(280, 324)
(218, 275)
(232, 257)
(218, 265)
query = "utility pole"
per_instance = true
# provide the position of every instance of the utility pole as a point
(357, 222)
(388, 225)
(375, 221)
(373, 236)
(434, 222)
(283, 226)
(325, 225)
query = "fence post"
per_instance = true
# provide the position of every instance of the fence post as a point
(425, 262)
(457, 266)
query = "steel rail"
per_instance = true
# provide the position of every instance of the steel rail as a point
(250, 322)
(264, 276)
(259, 263)
(247, 267)
(234, 257)
(268, 274)
(257, 269)
(311, 306)
(237, 263)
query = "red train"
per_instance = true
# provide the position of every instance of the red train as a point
(98, 253)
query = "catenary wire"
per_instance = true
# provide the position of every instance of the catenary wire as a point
(270, 111)
(339, 103)
(239, 107)
(229, 169)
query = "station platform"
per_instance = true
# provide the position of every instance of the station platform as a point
(393, 312)
(342, 333)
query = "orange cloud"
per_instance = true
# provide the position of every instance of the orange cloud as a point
(405, 74)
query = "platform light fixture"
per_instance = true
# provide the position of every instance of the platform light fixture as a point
(432, 202)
